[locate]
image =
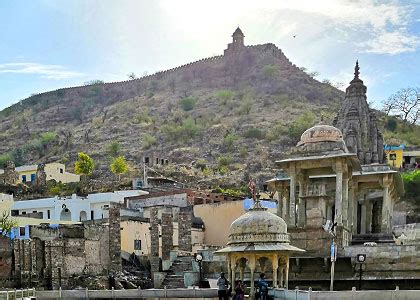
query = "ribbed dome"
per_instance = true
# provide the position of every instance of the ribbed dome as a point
(321, 133)
(258, 226)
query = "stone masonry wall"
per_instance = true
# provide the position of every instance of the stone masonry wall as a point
(167, 234)
(154, 237)
(184, 225)
(115, 238)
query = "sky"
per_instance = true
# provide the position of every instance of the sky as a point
(49, 44)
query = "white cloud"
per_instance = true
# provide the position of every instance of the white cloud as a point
(56, 72)
(370, 24)
(391, 43)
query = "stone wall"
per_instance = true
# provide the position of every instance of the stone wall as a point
(154, 239)
(115, 237)
(184, 225)
(167, 234)
(53, 256)
(262, 50)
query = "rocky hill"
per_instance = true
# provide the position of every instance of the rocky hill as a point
(229, 114)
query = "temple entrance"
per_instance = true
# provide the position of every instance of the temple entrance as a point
(83, 216)
(376, 216)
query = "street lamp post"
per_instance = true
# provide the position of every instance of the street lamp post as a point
(361, 259)
(199, 259)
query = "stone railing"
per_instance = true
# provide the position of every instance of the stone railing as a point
(353, 294)
(124, 294)
(17, 294)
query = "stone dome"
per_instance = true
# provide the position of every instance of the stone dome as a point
(321, 133)
(258, 226)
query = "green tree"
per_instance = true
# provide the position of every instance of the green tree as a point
(224, 96)
(84, 164)
(412, 185)
(254, 133)
(114, 149)
(391, 124)
(270, 71)
(4, 158)
(148, 141)
(188, 103)
(229, 140)
(119, 166)
(6, 223)
(300, 124)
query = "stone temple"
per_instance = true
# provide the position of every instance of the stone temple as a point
(336, 175)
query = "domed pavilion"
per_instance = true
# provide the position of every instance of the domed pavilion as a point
(258, 236)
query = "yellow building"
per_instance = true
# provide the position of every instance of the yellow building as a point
(394, 155)
(56, 171)
(135, 236)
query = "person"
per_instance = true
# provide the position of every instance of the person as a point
(239, 291)
(222, 286)
(263, 287)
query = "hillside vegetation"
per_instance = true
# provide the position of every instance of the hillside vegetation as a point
(224, 115)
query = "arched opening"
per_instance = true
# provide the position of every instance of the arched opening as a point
(65, 215)
(83, 216)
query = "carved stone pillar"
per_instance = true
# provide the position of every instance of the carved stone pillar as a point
(252, 269)
(286, 204)
(292, 197)
(339, 193)
(286, 285)
(386, 205)
(345, 199)
(301, 201)
(275, 266)
(351, 205)
(280, 196)
(229, 268)
(233, 269)
(363, 218)
(281, 271)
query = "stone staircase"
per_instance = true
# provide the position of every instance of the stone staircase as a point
(175, 275)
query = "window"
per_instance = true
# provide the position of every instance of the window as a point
(23, 178)
(61, 171)
(92, 214)
(48, 214)
(157, 160)
(23, 212)
(33, 177)
(22, 231)
(146, 160)
(137, 244)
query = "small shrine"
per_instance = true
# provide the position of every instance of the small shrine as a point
(258, 237)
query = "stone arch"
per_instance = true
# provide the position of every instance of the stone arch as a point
(65, 214)
(83, 216)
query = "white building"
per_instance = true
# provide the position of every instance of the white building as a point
(74, 208)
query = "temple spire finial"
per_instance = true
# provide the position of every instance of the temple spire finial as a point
(256, 197)
(356, 70)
